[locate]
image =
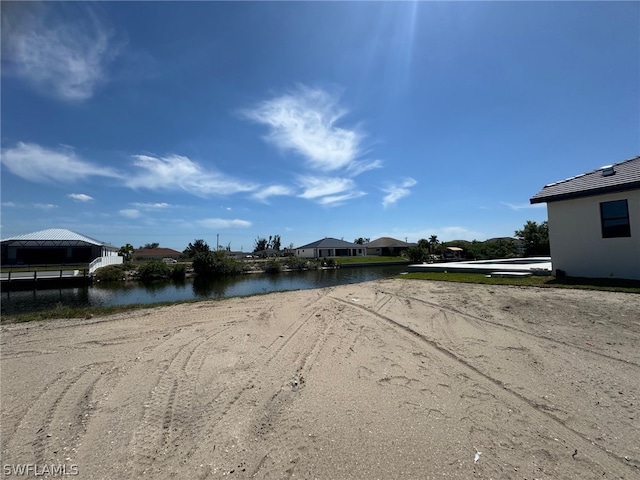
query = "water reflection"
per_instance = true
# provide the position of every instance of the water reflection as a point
(110, 294)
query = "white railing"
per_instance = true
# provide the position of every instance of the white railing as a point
(104, 261)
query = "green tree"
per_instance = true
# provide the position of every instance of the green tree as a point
(535, 238)
(276, 242)
(416, 254)
(361, 240)
(126, 251)
(260, 244)
(198, 246)
(154, 270)
(151, 245)
(215, 264)
(433, 243)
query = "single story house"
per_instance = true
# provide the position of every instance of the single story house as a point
(387, 246)
(55, 246)
(155, 254)
(594, 222)
(267, 253)
(330, 247)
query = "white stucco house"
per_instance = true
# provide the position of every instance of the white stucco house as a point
(594, 222)
(330, 247)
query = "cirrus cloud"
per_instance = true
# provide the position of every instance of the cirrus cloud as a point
(61, 51)
(271, 191)
(40, 164)
(80, 197)
(395, 192)
(304, 121)
(177, 172)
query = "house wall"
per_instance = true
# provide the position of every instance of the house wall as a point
(306, 252)
(577, 246)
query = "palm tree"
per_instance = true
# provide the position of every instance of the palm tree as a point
(126, 251)
(433, 243)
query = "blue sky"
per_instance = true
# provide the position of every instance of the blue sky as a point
(169, 122)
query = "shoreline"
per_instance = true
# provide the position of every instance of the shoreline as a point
(382, 379)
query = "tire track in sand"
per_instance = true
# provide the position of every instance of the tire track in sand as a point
(616, 464)
(169, 408)
(56, 421)
(244, 423)
(514, 329)
(173, 413)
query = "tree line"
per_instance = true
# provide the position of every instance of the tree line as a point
(530, 241)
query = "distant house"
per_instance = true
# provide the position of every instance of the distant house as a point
(330, 247)
(452, 254)
(387, 246)
(155, 254)
(55, 246)
(594, 222)
(267, 253)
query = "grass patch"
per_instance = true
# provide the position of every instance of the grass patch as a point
(65, 312)
(368, 259)
(606, 284)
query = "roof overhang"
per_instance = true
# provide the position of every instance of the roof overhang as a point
(584, 193)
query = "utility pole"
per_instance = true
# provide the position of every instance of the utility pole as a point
(217, 241)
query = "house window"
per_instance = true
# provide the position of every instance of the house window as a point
(615, 219)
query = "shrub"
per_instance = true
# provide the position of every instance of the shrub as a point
(272, 266)
(111, 273)
(331, 262)
(296, 263)
(416, 254)
(215, 264)
(154, 270)
(179, 271)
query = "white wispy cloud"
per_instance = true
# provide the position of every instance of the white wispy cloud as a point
(304, 121)
(317, 187)
(223, 223)
(45, 206)
(335, 200)
(62, 53)
(355, 168)
(152, 206)
(130, 213)
(176, 172)
(523, 206)
(271, 191)
(9, 204)
(80, 197)
(40, 164)
(397, 191)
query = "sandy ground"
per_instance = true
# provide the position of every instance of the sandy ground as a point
(387, 379)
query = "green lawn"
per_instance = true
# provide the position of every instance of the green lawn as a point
(607, 284)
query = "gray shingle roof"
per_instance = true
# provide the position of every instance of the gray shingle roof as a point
(329, 242)
(386, 242)
(626, 176)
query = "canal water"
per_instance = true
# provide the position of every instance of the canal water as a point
(130, 293)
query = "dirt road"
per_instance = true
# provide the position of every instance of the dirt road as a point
(387, 379)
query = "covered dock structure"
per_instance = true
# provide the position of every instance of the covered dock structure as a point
(56, 246)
